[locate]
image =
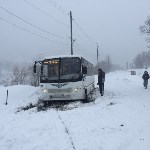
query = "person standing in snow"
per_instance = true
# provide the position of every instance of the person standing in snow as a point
(101, 80)
(145, 78)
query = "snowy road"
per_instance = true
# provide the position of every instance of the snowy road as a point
(118, 121)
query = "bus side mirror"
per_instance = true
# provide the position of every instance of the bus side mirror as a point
(34, 68)
(84, 70)
(42, 69)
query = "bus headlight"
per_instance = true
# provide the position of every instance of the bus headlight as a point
(77, 89)
(45, 90)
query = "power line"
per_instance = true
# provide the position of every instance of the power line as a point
(58, 7)
(37, 35)
(52, 2)
(61, 9)
(52, 34)
(84, 32)
(35, 7)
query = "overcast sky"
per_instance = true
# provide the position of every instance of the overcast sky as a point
(35, 28)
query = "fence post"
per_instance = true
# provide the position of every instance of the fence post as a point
(7, 98)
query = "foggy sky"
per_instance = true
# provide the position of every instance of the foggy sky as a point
(113, 24)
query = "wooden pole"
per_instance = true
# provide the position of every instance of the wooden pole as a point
(71, 32)
(7, 98)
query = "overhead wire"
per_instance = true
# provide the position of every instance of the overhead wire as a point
(84, 32)
(45, 13)
(52, 2)
(52, 34)
(61, 9)
(37, 35)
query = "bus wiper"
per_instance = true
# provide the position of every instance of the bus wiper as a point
(73, 76)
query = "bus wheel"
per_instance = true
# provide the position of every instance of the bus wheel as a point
(88, 97)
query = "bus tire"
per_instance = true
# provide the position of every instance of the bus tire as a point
(88, 97)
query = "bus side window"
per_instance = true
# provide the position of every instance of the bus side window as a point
(34, 68)
(55, 71)
(64, 69)
(84, 69)
(42, 69)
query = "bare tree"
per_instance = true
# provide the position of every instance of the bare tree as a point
(138, 61)
(20, 74)
(16, 75)
(142, 60)
(106, 65)
(145, 29)
(34, 77)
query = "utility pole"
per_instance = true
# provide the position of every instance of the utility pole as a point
(108, 63)
(0, 69)
(97, 58)
(71, 32)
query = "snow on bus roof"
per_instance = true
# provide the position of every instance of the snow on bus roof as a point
(61, 56)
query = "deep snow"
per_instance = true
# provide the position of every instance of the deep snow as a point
(120, 120)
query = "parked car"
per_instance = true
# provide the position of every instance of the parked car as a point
(133, 72)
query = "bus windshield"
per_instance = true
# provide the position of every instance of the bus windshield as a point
(62, 69)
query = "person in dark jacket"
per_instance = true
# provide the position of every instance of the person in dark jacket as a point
(101, 80)
(145, 78)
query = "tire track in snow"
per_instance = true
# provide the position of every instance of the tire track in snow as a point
(67, 131)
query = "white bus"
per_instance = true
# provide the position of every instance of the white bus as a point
(66, 78)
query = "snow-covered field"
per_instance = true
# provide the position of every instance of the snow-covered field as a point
(120, 120)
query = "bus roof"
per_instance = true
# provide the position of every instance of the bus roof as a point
(61, 56)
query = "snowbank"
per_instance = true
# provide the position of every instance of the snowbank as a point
(117, 121)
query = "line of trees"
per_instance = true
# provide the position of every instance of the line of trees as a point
(145, 29)
(23, 74)
(142, 60)
(107, 66)
(18, 74)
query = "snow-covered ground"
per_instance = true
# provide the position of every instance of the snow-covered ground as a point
(120, 120)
